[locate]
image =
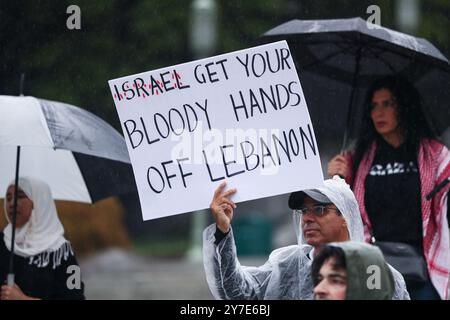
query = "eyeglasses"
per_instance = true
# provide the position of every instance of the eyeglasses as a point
(317, 211)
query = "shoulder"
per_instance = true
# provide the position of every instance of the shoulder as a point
(58, 259)
(436, 150)
(290, 252)
(66, 254)
(400, 292)
(432, 145)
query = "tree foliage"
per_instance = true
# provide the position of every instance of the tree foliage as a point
(119, 38)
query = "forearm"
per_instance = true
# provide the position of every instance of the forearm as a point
(226, 278)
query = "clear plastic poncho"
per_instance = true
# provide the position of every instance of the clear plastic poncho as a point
(287, 272)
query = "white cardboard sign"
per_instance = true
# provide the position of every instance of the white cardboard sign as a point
(240, 117)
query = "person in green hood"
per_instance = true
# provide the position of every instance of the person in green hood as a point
(351, 271)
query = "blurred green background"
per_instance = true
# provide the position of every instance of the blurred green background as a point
(119, 38)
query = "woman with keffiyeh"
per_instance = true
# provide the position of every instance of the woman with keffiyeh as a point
(396, 163)
(43, 259)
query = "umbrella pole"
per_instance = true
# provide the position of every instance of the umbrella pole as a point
(22, 83)
(10, 277)
(352, 98)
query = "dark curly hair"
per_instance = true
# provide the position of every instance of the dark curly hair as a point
(410, 116)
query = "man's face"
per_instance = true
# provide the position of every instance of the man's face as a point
(332, 283)
(318, 230)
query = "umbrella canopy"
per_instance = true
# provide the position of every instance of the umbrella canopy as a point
(79, 155)
(338, 59)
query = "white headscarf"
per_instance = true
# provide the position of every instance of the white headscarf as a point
(43, 232)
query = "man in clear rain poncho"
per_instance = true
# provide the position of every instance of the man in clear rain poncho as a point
(326, 214)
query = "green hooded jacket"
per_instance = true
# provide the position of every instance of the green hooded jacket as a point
(368, 275)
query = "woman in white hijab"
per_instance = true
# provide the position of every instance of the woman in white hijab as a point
(44, 264)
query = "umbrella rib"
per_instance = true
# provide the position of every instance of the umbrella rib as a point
(352, 95)
(332, 55)
(327, 57)
(376, 54)
(345, 46)
(400, 51)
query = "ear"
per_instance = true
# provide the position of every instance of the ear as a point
(344, 223)
(345, 226)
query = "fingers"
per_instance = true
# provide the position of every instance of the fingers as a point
(338, 165)
(339, 158)
(229, 202)
(221, 206)
(5, 292)
(337, 169)
(230, 192)
(226, 208)
(219, 189)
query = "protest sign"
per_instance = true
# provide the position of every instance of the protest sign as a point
(240, 117)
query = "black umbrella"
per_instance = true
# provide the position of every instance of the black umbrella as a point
(338, 59)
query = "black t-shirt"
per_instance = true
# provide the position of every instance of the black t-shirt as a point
(392, 197)
(41, 282)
